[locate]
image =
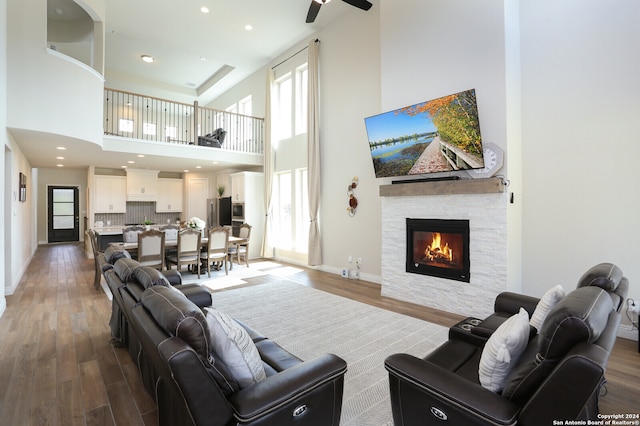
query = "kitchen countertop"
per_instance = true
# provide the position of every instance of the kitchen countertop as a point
(108, 230)
(115, 230)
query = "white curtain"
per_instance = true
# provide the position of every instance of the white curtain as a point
(313, 135)
(269, 159)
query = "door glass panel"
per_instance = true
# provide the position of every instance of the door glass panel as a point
(63, 222)
(63, 195)
(62, 209)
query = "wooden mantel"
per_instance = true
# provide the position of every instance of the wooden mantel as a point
(444, 187)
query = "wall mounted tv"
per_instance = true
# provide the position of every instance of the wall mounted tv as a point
(440, 135)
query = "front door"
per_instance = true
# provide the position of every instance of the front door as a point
(64, 220)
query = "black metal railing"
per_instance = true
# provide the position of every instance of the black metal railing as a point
(144, 117)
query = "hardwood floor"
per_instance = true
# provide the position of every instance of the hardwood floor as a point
(57, 366)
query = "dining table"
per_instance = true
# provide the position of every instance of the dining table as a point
(133, 246)
(173, 243)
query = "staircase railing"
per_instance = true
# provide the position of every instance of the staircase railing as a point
(137, 116)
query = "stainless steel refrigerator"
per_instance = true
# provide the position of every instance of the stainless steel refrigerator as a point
(218, 211)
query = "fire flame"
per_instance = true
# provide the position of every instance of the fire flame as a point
(435, 251)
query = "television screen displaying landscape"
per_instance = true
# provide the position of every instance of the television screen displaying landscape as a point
(440, 135)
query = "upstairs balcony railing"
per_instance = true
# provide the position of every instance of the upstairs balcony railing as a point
(143, 117)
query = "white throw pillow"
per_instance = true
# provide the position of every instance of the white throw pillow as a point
(548, 301)
(232, 344)
(502, 351)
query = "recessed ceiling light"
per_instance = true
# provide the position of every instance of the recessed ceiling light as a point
(215, 162)
(203, 59)
(148, 59)
(198, 167)
(141, 155)
(248, 27)
(123, 167)
(186, 171)
(131, 162)
(62, 148)
(60, 165)
(59, 158)
(204, 9)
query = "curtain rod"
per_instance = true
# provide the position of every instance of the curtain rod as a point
(285, 60)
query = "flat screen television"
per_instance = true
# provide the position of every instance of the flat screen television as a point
(440, 135)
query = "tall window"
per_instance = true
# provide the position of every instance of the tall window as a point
(282, 210)
(301, 191)
(290, 193)
(284, 91)
(302, 76)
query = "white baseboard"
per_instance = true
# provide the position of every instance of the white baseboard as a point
(627, 332)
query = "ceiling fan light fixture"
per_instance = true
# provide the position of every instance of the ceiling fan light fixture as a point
(322, 1)
(148, 59)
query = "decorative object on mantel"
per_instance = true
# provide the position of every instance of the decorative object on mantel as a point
(493, 157)
(353, 201)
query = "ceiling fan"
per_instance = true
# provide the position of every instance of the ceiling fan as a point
(315, 7)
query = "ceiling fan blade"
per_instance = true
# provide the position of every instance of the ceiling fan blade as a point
(360, 4)
(313, 11)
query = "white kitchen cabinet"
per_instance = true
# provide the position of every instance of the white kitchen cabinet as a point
(110, 194)
(142, 185)
(238, 187)
(169, 196)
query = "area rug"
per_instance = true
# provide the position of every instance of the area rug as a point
(309, 322)
(239, 274)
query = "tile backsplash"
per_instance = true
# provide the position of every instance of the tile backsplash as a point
(137, 212)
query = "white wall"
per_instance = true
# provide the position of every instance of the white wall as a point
(581, 105)
(5, 270)
(349, 92)
(22, 217)
(31, 65)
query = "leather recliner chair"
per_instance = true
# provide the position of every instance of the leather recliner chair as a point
(605, 275)
(558, 376)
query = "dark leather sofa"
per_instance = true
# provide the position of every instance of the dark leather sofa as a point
(122, 276)
(193, 387)
(162, 324)
(557, 377)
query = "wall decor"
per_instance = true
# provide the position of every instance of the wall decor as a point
(22, 187)
(353, 201)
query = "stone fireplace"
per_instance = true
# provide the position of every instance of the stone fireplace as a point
(483, 204)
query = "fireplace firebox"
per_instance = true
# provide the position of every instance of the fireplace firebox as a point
(438, 247)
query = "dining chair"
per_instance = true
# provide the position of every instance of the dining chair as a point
(217, 248)
(187, 249)
(130, 235)
(241, 248)
(170, 235)
(151, 249)
(96, 252)
(170, 232)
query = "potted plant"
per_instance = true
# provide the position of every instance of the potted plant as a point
(221, 189)
(147, 224)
